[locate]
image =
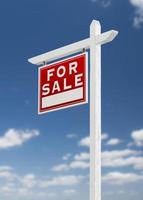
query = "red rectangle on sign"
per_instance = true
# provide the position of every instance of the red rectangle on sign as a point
(63, 84)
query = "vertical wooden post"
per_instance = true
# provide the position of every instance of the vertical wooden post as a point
(95, 113)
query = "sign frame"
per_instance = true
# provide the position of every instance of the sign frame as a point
(69, 104)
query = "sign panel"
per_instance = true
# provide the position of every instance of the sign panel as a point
(63, 84)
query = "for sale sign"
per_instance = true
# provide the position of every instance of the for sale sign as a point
(63, 84)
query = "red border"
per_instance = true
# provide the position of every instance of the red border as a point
(70, 103)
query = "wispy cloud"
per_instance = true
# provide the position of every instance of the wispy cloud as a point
(75, 164)
(69, 192)
(61, 167)
(121, 178)
(114, 141)
(29, 185)
(104, 136)
(28, 181)
(66, 176)
(110, 159)
(85, 142)
(82, 156)
(5, 168)
(103, 3)
(13, 137)
(6, 172)
(80, 161)
(66, 180)
(137, 137)
(138, 18)
(122, 158)
(66, 156)
(71, 136)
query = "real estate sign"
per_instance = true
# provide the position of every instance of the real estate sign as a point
(63, 84)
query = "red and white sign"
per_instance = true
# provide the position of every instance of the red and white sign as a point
(63, 84)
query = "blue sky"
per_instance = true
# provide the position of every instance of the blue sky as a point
(47, 157)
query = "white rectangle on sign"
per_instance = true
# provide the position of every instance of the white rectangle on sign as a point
(63, 84)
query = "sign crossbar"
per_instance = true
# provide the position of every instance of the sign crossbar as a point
(73, 48)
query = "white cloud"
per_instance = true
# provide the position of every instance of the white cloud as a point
(18, 192)
(45, 194)
(137, 136)
(122, 158)
(138, 18)
(6, 172)
(80, 161)
(136, 162)
(121, 178)
(29, 180)
(62, 181)
(7, 190)
(14, 185)
(104, 136)
(31, 186)
(7, 175)
(5, 168)
(82, 156)
(71, 136)
(69, 192)
(114, 141)
(14, 137)
(79, 165)
(73, 165)
(61, 167)
(66, 156)
(103, 3)
(110, 159)
(85, 142)
(119, 153)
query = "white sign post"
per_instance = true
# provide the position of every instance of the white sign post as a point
(93, 43)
